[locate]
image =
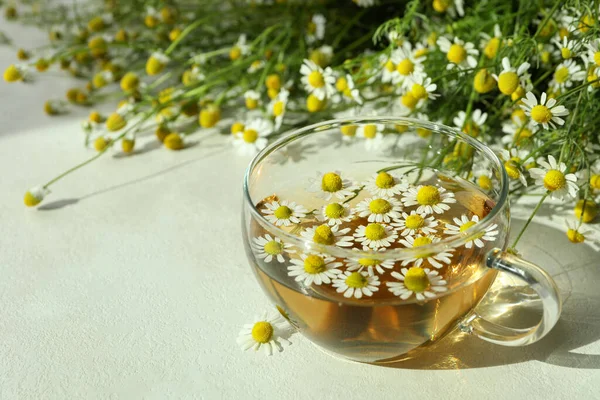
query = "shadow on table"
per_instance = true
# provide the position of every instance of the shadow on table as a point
(576, 270)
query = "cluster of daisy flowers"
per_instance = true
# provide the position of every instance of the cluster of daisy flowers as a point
(370, 218)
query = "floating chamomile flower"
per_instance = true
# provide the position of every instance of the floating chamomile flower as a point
(474, 125)
(421, 87)
(460, 55)
(406, 62)
(565, 74)
(267, 331)
(254, 136)
(316, 28)
(552, 176)
(375, 235)
(514, 160)
(435, 259)
(372, 133)
(284, 213)
(268, 248)
(370, 264)
(356, 284)
(335, 213)
(430, 199)
(379, 209)
(422, 282)
(317, 81)
(332, 184)
(510, 79)
(413, 223)
(385, 184)
(314, 269)
(328, 235)
(544, 113)
(463, 223)
(278, 106)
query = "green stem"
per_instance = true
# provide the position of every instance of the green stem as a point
(186, 32)
(539, 204)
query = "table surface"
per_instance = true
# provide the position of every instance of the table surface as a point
(131, 282)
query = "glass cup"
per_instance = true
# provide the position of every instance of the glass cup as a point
(411, 295)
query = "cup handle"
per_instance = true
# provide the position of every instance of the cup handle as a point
(539, 281)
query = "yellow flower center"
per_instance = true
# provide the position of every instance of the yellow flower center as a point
(30, 200)
(522, 135)
(370, 131)
(441, 5)
(273, 81)
(250, 136)
(416, 280)
(518, 114)
(341, 84)
(575, 236)
(586, 22)
(324, 235)
(467, 225)
(595, 181)
(561, 75)
(262, 332)
(251, 103)
(554, 180)
(420, 52)
(273, 247)
(508, 82)
(414, 221)
(565, 53)
(541, 114)
(484, 182)
(384, 181)
(331, 182)
(314, 264)
(593, 79)
(312, 27)
(422, 241)
(209, 117)
(484, 81)
(491, 48)
(587, 213)
(283, 212)
(12, 74)
(349, 130)
(375, 232)
(235, 53)
(597, 58)
(173, 141)
(405, 67)
(313, 104)
(428, 196)
(409, 101)
(471, 129)
(154, 66)
(418, 91)
(512, 169)
(356, 280)
(278, 108)
(380, 206)
(517, 94)
(237, 127)
(368, 262)
(456, 54)
(389, 65)
(316, 79)
(334, 210)
(423, 133)
(115, 122)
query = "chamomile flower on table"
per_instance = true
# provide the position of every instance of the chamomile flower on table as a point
(278, 106)
(284, 212)
(268, 332)
(545, 113)
(414, 223)
(254, 136)
(421, 87)
(335, 213)
(330, 184)
(460, 55)
(463, 223)
(429, 199)
(370, 264)
(328, 235)
(511, 79)
(406, 62)
(356, 284)
(435, 259)
(423, 283)
(375, 235)
(314, 269)
(472, 127)
(379, 209)
(514, 161)
(316, 28)
(385, 184)
(317, 81)
(576, 233)
(566, 74)
(553, 177)
(269, 248)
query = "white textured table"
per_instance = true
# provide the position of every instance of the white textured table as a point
(131, 282)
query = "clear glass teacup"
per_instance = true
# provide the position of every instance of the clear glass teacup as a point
(374, 238)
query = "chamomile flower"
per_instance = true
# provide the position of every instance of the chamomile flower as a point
(314, 269)
(518, 132)
(256, 66)
(430, 199)
(463, 223)
(373, 135)
(491, 44)
(421, 87)
(565, 74)
(474, 125)
(268, 248)
(254, 136)
(252, 99)
(370, 264)
(348, 91)
(35, 196)
(332, 184)
(511, 79)
(335, 213)
(577, 234)
(284, 213)
(435, 259)
(278, 106)
(406, 62)
(375, 235)
(356, 284)
(422, 282)
(593, 52)
(460, 55)
(267, 331)
(553, 178)
(388, 70)
(317, 81)
(316, 28)
(379, 209)
(514, 160)
(414, 223)
(385, 184)
(567, 48)
(547, 114)
(328, 235)
(239, 49)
